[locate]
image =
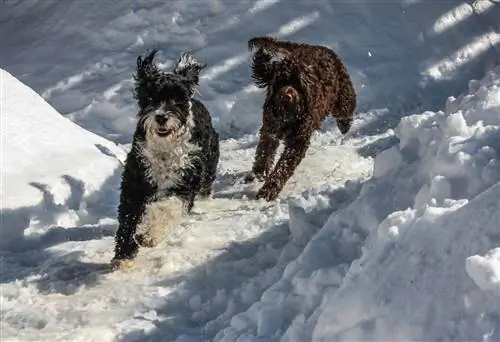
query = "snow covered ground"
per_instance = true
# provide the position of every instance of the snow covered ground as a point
(406, 55)
(392, 235)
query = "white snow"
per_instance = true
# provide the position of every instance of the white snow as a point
(51, 167)
(391, 233)
(402, 55)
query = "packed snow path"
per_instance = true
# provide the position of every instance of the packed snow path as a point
(217, 264)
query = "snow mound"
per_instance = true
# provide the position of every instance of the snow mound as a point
(412, 253)
(51, 169)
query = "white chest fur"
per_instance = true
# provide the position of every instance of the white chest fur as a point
(164, 158)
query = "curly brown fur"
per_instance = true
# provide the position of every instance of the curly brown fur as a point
(304, 83)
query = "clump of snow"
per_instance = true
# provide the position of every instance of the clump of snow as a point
(485, 271)
(52, 169)
(413, 252)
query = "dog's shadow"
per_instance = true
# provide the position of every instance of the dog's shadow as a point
(247, 193)
(233, 186)
(68, 275)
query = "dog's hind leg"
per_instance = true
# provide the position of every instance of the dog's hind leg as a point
(160, 218)
(345, 106)
(210, 172)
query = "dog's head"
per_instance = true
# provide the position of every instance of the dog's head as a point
(288, 88)
(164, 98)
(274, 68)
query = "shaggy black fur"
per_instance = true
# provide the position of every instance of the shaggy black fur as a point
(164, 96)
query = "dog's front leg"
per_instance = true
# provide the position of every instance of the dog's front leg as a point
(295, 150)
(192, 183)
(126, 247)
(264, 156)
(160, 217)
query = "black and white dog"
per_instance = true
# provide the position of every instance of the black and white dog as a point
(174, 156)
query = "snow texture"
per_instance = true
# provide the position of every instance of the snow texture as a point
(389, 234)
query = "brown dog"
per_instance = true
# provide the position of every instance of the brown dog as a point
(304, 84)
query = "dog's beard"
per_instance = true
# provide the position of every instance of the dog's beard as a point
(167, 132)
(164, 155)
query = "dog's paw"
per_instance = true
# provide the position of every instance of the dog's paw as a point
(249, 178)
(205, 194)
(269, 191)
(252, 176)
(204, 197)
(147, 240)
(122, 264)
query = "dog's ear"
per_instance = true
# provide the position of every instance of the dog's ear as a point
(188, 68)
(144, 62)
(295, 72)
(266, 43)
(262, 69)
(147, 78)
(271, 45)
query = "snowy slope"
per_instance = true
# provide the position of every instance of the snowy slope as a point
(44, 153)
(392, 235)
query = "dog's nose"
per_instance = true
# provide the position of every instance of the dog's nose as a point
(290, 94)
(286, 96)
(161, 119)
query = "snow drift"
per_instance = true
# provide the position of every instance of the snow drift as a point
(414, 255)
(52, 169)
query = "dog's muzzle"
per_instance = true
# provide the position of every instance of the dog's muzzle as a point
(165, 126)
(288, 94)
(289, 99)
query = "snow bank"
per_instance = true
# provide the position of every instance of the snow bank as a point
(53, 172)
(412, 253)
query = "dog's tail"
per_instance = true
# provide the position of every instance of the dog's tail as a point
(145, 66)
(189, 69)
